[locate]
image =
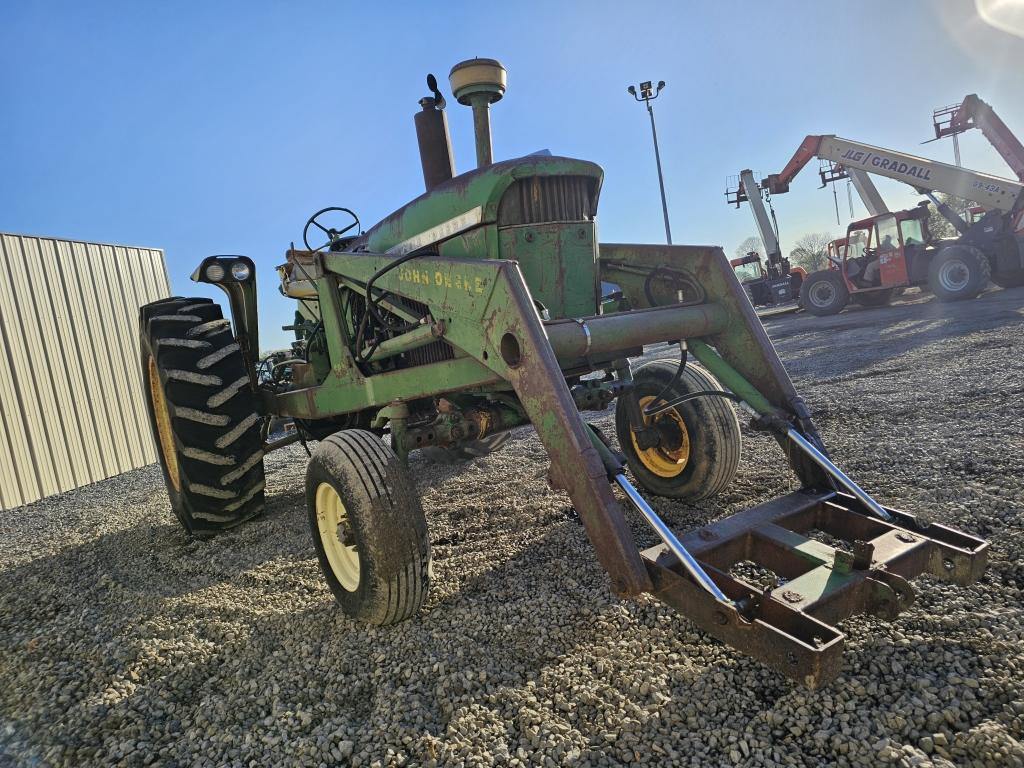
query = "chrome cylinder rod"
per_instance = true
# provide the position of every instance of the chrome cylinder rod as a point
(665, 534)
(823, 461)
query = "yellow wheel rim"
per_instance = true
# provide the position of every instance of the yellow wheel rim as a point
(163, 425)
(337, 536)
(662, 461)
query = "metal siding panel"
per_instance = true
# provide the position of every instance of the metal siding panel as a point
(83, 442)
(67, 446)
(72, 403)
(133, 285)
(140, 289)
(149, 273)
(136, 423)
(151, 285)
(10, 487)
(163, 279)
(107, 349)
(81, 307)
(42, 341)
(112, 447)
(17, 473)
(19, 358)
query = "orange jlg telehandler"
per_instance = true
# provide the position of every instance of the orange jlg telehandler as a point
(893, 250)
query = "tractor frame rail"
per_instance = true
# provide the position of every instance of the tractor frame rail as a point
(787, 624)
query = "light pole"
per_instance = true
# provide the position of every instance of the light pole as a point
(647, 95)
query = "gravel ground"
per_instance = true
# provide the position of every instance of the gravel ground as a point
(124, 643)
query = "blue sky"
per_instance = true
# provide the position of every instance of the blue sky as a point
(218, 127)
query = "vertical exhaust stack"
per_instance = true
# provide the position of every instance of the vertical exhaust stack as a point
(478, 83)
(435, 143)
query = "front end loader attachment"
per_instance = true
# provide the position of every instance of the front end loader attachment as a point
(788, 622)
(832, 551)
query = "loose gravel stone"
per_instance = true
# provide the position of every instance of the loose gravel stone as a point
(124, 643)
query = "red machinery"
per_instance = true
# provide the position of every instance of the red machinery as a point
(892, 250)
(972, 112)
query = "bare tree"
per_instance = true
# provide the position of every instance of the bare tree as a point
(752, 243)
(811, 251)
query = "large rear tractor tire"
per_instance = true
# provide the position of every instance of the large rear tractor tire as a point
(369, 530)
(824, 293)
(202, 412)
(700, 439)
(958, 272)
(878, 298)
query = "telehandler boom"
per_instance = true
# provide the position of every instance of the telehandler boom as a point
(476, 308)
(893, 250)
(972, 112)
(777, 283)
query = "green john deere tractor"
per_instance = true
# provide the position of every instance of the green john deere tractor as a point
(477, 308)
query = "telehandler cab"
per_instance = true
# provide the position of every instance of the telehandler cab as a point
(477, 308)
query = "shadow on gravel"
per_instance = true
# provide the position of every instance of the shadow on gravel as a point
(867, 337)
(512, 641)
(488, 648)
(158, 560)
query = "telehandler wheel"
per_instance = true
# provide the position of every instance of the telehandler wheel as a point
(824, 293)
(878, 298)
(958, 272)
(368, 527)
(202, 412)
(1013, 279)
(701, 440)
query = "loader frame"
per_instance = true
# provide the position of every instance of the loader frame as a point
(484, 310)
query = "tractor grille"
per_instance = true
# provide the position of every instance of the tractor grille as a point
(543, 199)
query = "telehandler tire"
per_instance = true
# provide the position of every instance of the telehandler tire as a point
(824, 293)
(958, 272)
(202, 412)
(369, 530)
(702, 440)
(878, 298)
(1013, 279)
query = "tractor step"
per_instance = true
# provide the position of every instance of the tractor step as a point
(824, 558)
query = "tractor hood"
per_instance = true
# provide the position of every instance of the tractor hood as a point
(475, 199)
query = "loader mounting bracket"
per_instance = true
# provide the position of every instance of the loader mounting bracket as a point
(787, 622)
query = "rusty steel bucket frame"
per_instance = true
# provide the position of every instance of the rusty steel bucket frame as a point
(483, 309)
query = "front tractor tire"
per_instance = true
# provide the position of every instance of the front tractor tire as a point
(824, 293)
(958, 272)
(202, 413)
(369, 530)
(700, 439)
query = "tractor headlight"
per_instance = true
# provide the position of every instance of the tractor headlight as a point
(240, 271)
(215, 272)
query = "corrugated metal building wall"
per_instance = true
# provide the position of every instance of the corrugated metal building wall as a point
(72, 408)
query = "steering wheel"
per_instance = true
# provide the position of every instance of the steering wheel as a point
(333, 235)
